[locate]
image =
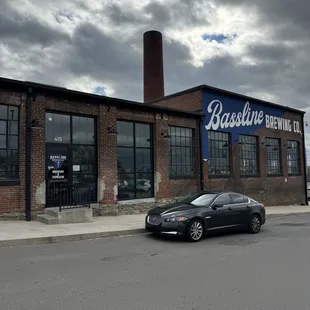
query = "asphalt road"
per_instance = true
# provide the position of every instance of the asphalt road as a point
(267, 271)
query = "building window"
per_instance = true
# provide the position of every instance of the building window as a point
(57, 128)
(293, 158)
(135, 160)
(273, 156)
(72, 139)
(218, 150)
(248, 155)
(181, 152)
(9, 130)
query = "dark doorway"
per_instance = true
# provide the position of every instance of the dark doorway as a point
(58, 173)
(71, 160)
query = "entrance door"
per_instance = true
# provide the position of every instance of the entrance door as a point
(58, 173)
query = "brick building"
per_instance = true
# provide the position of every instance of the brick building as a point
(119, 149)
(248, 145)
(125, 156)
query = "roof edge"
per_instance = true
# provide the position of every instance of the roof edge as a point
(227, 92)
(122, 103)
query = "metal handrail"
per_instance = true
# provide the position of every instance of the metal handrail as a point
(71, 195)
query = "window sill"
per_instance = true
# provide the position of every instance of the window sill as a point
(250, 176)
(294, 175)
(219, 176)
(180, 177)
(9, 182)
(274, 175)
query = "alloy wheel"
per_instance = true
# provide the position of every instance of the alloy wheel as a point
(255, 224)
(196, 231)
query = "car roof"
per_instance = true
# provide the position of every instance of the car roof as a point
(218, 192)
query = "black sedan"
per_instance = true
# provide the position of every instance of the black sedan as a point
(196, 214)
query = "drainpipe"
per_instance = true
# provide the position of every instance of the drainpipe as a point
(200, 123)
(305, 160)
(28, 155)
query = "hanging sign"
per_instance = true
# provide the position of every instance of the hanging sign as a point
(57, 173)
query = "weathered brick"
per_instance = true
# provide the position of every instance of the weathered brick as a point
(12, 198)
(282, 190)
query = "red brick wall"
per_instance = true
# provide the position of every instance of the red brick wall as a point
(187, 101)
(282, 190)
(165, 187)
(12, 198)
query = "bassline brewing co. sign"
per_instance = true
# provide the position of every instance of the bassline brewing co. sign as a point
(247, 117)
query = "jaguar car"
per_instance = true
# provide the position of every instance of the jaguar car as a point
(196, 214)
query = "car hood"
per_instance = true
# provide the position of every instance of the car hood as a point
(172, 208)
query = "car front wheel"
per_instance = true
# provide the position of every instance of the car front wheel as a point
(195, 231)
(255, 224)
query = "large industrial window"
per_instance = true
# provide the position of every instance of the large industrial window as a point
(9, 163)
(135, 160)
(181, 152)
(248, 155)
(273, 156)
(293, 158)
(218, 150)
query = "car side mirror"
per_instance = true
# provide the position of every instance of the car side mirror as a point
(216, 206)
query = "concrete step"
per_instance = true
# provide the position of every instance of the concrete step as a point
(48, 219)
(66, 216)
(52, 211)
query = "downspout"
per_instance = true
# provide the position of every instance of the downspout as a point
(200, 122)
(28, 154)
(305, 160)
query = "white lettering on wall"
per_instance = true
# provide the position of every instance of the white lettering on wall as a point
(279, 123)
(245, 118)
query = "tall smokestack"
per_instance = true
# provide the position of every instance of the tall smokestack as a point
(153, 69)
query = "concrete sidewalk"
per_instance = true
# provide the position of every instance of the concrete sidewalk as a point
(28, 233)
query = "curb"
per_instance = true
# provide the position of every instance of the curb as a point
(70, 238)
(98, 235)
(287, 214)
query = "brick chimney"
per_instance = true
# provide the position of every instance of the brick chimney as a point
(153, 68)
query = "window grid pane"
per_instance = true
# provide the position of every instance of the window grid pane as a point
(135, 160)
(273, 156)
(181, 152)
(248, 155)
(9, 134)
(293, 157)
(83, 130)
(218, 149)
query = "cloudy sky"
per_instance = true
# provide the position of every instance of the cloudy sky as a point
(260, 49)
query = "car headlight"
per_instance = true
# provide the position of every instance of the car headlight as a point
(176, 219)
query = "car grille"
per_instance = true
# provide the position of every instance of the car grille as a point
(154, 219)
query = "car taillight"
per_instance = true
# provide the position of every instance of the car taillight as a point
(263, 206)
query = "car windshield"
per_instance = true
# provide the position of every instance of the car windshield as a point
(197, 199)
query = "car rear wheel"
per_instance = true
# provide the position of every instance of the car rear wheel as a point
(195, 231)
(255, 224)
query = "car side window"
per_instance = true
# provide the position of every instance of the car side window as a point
(224, 199)
(235, 198)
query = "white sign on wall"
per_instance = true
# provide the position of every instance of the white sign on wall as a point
(246, 117)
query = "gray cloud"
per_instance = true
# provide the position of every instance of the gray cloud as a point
(16, 28)
(282, 68)
(160, 15)
(118, 15)
(287, 18)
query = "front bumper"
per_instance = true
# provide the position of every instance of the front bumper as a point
(166, 228)
(263, 216)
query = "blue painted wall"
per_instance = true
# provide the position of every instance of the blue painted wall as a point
(238, 115)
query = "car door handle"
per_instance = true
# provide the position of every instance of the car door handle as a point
(229, 208)
(248, 207)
